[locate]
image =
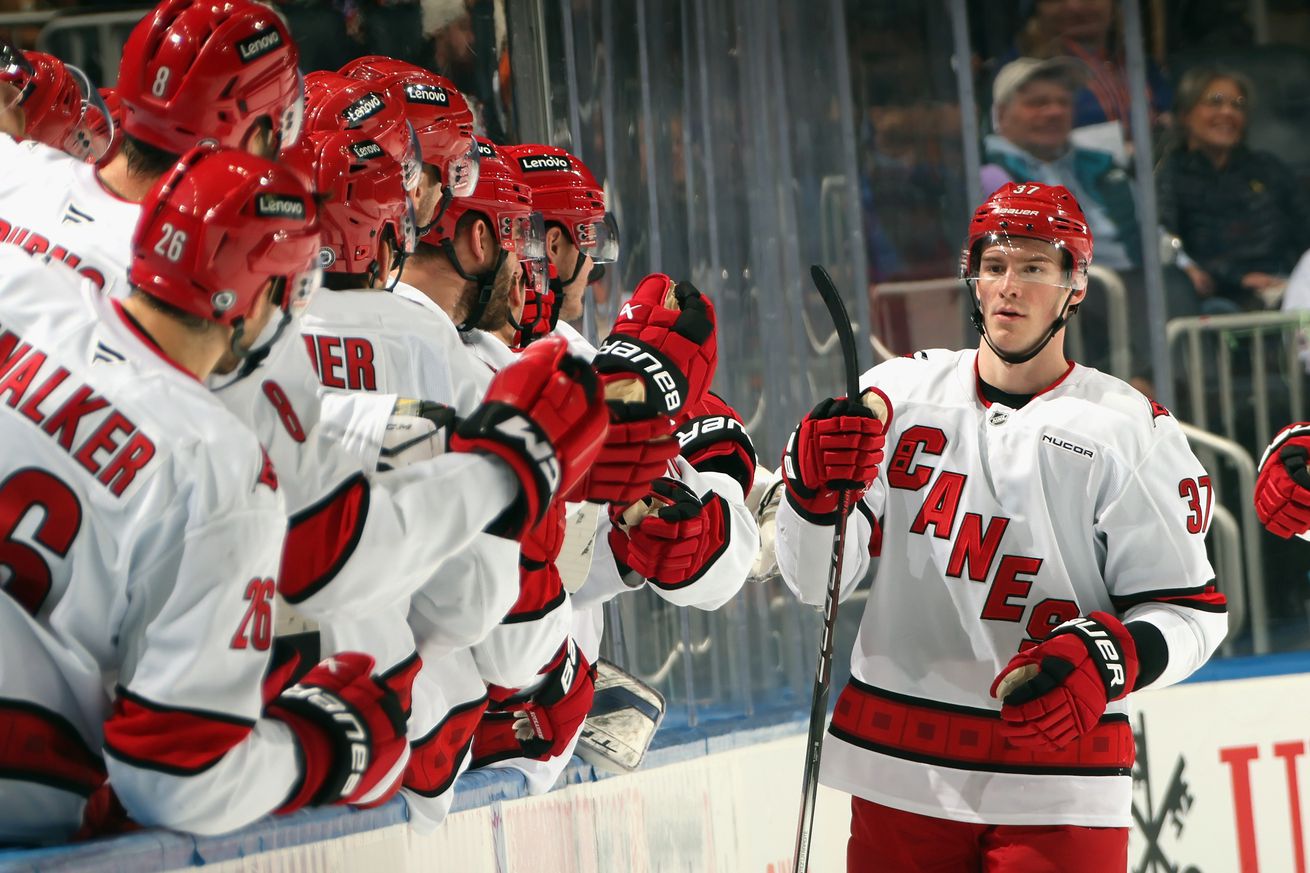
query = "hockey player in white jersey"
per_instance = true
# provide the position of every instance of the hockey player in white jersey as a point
(192, 70)
(143, 527)
(1037, 540)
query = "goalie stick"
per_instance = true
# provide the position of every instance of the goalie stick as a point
(823, 674)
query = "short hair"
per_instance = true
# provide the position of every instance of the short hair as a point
(190, 321)
(144, 159)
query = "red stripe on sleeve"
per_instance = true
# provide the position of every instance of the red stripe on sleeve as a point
(321, 538)
(182, 742)
(37, 745)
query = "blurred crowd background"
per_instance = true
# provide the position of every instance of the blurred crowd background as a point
(740, 141)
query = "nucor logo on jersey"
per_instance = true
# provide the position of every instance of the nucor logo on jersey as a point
(1068, 446)
(258, 45)
(433, 95)
(365, 107)
(343, 715)
(655, 368)
(366, 150)
(544, 162)
(279, 206)
(519, 429)
(1109, 649)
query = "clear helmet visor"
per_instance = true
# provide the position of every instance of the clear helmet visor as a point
(524, 235)
(17, 72)
(1024, 260)
(407, 236)
(462, 172)
(411, 161)
(303, 288)
(92, 136)
(292, 122)
(536, 281)
(599, 239)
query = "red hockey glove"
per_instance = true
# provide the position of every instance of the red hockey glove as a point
(714, 440)
(544, 416)
(673, 350)
(838, 446)
(542, 726)
(1282, 491)
(635, 454)
(351, 731)
(674, 545)
(1056, 691)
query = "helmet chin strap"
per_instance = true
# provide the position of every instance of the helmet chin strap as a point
(251, 358)
(1024, 357)
(486, 284)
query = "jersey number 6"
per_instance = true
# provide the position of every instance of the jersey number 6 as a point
(1198, 519)
(28, 579)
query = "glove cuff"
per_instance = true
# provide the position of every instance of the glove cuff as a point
(1112, 648)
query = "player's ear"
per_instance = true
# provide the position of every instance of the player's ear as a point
(555, 240)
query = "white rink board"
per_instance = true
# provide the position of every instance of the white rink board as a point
(731, 812)
(1215, 736)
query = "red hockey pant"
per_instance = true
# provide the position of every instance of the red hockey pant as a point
(886, 840)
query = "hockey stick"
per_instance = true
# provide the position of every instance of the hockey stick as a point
(823, 675)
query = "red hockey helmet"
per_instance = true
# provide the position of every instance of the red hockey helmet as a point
(220, 225)
(564, 190)
(209, 71)
(362, 199)
(1034, 211)
(505, 199)
(440, 115)
(375, 109)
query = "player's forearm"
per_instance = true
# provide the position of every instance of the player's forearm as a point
(248, 782)
(804, 551)
(459, 606)
(417, 517)
(1189, 638)
(518, 648)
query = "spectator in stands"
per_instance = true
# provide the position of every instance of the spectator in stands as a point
(1239, 214)
(1088, 31)
(1032, 112)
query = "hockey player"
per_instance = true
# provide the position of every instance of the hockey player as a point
(1037, 540)
(191, 70)
(143, 527)
(59, 106)
(443, 123)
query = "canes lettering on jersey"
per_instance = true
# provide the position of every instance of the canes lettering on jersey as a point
(35, 244)
(343, 362)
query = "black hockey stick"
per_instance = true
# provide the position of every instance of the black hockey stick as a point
(823, 676)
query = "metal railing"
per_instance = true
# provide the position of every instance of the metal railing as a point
(1207, 346)
(90, 39)
(1249, 600)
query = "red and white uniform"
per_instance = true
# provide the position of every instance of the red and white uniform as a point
(143, 533)
(986, 528)
(53, 204)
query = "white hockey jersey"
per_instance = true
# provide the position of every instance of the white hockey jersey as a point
(987, 528)
(142, 533)
(55, 205)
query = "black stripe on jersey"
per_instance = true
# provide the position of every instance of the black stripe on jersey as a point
(549, 607)
(1193, 598)
(726, 514)
(985, 767)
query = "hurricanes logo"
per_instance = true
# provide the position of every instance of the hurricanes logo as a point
(258, 45)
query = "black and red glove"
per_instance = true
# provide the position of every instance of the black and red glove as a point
(1057, 691)
(635, 454)
(673, 351)
(543, 725)
(837, 447)
(351, 730)
(1282, 490)
(545, 417)
(678, 541)
(713, 439)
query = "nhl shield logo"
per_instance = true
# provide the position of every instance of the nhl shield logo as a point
(998, 416)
